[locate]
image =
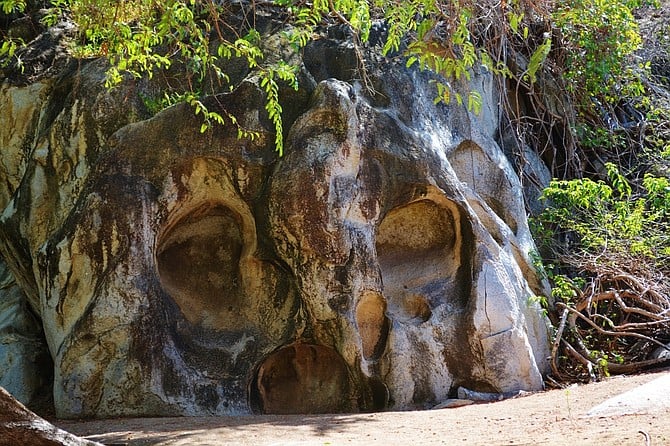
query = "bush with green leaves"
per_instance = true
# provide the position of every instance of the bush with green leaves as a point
(599, 38)
(607, 216)
(595, 52)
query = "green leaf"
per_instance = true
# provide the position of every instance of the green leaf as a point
(537, 59)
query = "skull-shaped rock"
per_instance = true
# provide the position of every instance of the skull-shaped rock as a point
(410, 248)
(383, 262)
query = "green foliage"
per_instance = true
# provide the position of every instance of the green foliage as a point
(565, 288)
(286, 73)
(603, 359)
(7, 51)
(9, 44)
(598, 137)
(144, 37)
(537, 59)
(443, 42)
(542, 301)
(608, 217)
(599, 38)
(12, 6)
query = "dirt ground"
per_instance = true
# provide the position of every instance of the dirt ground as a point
(554, 417)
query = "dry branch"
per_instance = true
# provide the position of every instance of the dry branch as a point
(596, 333)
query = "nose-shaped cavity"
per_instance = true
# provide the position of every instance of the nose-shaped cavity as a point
(416, 308)
(418, 247)
(372, 324)
(302, 378)
(198, 262)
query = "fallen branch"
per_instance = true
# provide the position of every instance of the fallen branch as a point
(597, 327)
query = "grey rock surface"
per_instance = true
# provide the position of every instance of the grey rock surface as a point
(27, 369)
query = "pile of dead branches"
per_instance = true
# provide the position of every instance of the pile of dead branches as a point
(618, 323)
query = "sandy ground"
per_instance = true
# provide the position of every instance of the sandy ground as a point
(555, 417)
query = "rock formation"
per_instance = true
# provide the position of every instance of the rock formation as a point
(382, 262)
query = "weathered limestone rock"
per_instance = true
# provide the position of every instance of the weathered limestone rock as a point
(27, 370)
(383, 262)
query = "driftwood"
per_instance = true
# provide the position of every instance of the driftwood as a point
(19, 426)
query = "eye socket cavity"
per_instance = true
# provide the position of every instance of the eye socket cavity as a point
(206, 245)
(421, 228)
(198, 260)
(419, 252)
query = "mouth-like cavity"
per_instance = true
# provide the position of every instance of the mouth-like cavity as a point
(302, 378)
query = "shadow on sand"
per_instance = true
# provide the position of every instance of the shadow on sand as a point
(229, 430)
